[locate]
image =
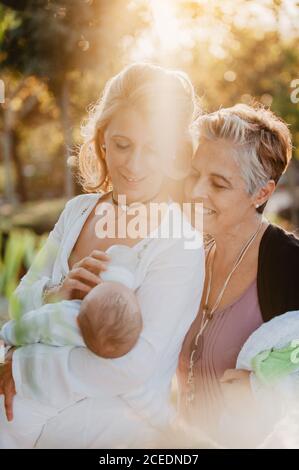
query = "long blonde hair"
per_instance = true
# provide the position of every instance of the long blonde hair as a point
(141, 85)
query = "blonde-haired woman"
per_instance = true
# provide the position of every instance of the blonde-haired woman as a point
(135, 132)
(166, 101)
(251, 265)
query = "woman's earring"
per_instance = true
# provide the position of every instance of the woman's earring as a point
(257, 206)
(103, 146)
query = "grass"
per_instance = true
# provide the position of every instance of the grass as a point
(15, 259)
(23, 229)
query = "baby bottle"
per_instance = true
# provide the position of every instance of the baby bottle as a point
(122, 265)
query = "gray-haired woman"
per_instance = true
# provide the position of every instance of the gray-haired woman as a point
(251, 265)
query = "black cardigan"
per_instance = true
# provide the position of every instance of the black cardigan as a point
(278, 273)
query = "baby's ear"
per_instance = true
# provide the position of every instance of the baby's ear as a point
(79, 320)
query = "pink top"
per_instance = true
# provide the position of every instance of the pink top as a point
(223, 339)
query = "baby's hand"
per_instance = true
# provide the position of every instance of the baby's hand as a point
(236, 375)
(84, 276)
(235, 385)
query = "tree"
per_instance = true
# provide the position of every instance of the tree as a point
(56, 41)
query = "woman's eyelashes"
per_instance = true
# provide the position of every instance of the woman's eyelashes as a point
(122, 145)
(218, 186)
(195, 177)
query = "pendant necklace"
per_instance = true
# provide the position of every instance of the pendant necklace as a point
(207, 315)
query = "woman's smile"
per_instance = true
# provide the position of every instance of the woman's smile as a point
(132, 181)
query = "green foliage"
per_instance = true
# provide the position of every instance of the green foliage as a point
(55, 38)
(83, 43)
(20, 249)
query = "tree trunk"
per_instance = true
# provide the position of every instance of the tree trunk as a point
(20, 181)
(9, 190)
(64, 104)
(291, 178)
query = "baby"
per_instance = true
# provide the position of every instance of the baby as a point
(108, 321)
(271, 354)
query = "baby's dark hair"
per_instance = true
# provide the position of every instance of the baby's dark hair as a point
(111, 324)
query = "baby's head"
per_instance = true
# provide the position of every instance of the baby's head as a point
(110, 320)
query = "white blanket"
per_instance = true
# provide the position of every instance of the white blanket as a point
(276, 333)
(270, 422)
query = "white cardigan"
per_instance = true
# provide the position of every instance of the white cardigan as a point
(169, 286)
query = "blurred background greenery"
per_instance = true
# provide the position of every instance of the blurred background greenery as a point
(56, 55)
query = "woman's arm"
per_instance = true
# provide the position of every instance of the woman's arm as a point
(169, 299)
(52, 324)
(78, 281)
(28, 295)
(7, 385)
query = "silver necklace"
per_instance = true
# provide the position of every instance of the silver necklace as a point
(208, 312)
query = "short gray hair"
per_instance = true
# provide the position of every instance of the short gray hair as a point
(262, 140)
